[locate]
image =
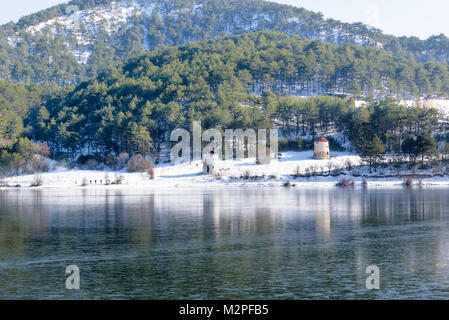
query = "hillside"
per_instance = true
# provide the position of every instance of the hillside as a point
(245, 81)
(51, 46)
(228, 83)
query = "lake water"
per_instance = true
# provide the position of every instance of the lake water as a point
(224, 243)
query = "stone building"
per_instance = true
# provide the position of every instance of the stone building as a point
(321, 149)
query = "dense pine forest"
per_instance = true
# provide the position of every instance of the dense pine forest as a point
(43, 50)
(242, 81)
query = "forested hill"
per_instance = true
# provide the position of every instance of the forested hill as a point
(50, 46)
(214, 82)
(256, 62)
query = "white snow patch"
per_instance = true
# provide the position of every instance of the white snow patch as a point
(84, 25)
(293, 20)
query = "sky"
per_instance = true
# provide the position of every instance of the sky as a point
(421, 18)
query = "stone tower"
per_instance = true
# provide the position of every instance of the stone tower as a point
(321, 149)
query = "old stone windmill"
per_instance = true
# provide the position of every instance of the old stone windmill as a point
(321, 149)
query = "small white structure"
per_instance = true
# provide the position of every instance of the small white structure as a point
(321, 149)
(210, 162)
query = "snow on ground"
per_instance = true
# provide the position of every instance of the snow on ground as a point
(442, 106)
(230, 173)
(109, 18)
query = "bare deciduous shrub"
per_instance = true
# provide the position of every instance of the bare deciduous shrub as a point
(118, 178)
(29, 167)
(38, 164)
(437, 167)
(336, 172)
(122, 159)
(37, 181)
(63, 164)
(150, 172)
(297, 173)
(346, 183)
(409, 182)
(138, 163)
(364, 182)
(348, 164)
(330, 166)
(84, 182)
(308, 172)
(246, 175)
(3, 183)
(106, 179)
(44, 165)
(42, 149)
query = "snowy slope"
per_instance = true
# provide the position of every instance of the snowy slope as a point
(84, 25)
(230, 173)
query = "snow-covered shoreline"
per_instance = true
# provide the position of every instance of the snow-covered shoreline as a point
(243, 173)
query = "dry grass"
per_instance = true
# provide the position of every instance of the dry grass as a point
(37, 182)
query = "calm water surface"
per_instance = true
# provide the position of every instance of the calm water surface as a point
(224, 243)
